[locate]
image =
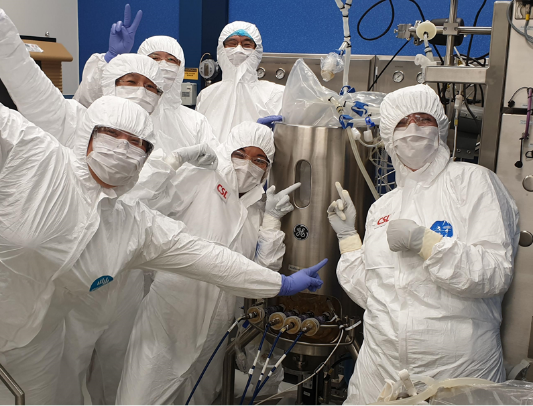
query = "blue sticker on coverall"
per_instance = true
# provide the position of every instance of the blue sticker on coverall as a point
(443, 228)
(101, 281)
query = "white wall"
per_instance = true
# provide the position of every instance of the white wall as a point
(60, 19)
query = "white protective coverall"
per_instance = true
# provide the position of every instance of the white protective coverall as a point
(240, 96)
(181, 320)
(180, 125)
(440, 317)
(50, 212)
(36, 96)
(50, 256)
(104, 321)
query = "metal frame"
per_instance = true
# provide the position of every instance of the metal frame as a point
(14, 388)
(494, 79)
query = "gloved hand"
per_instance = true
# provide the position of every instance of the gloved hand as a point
(201, 155)
(122, 35)
(277, 205)
(307, 278)
(341, 214)
(269, 121)
(405, 235)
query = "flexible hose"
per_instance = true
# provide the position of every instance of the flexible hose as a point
(366, 13)
(362, 166)
(251, 371)
(258, 384)
(211, 358)
(317, 370)
(275, 367)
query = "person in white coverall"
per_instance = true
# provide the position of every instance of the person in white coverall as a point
(104, 321)
(181, 321)
(132, 77)
(240, 96)
(180, 125)
(436, 260)
(65, 234)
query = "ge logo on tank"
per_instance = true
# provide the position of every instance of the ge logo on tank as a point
(301, 232)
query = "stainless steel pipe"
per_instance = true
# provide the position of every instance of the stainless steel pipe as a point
(450, 41)
(463, 30)
(14, 388)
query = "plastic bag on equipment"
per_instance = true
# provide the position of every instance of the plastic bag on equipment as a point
(507, 393)
(306, 101)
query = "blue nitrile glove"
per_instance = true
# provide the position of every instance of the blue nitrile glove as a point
(122, 35)
(303, 279)
(269, 121)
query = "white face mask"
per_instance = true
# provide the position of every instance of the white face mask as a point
(416, 146)
(115, 161)
(248, 174)
(238, 54)
(138, 94)
(170, 73)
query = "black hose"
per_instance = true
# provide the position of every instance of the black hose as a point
(387, 65)
(419, 9)
(366, 13)
(472, 36)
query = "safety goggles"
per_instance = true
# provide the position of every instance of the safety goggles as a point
(168, 57)
(233, 42)
(259, 162)
(133, 140)
(148, 86)
(420, 119)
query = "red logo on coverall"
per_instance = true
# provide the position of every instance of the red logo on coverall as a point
(383, 220)
(222, 191)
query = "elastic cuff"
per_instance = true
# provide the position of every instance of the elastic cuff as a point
(430, 239)
(109, 56)
(349, 244)
(271, 223)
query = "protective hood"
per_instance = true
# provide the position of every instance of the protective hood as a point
(130, 63)
(163, 43)
(246, 134)
(119, 113)
(401, 103)
(247, 71)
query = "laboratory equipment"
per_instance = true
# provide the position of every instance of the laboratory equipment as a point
(188, 93)
(316, 157)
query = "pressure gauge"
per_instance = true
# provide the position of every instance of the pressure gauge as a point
(398, 76)
(420, 78)
(261, 73)
(209, 69)
(280, 73)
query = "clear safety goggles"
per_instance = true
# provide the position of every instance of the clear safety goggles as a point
(148, 86)
(133, 140)
(259, 162)
(420, 119)
(233, 42)
(168, 57)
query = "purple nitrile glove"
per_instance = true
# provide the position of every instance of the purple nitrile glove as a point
(122, 35)
(269, 121)
(307, 278)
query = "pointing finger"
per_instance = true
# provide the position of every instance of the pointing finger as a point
(290, 189)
